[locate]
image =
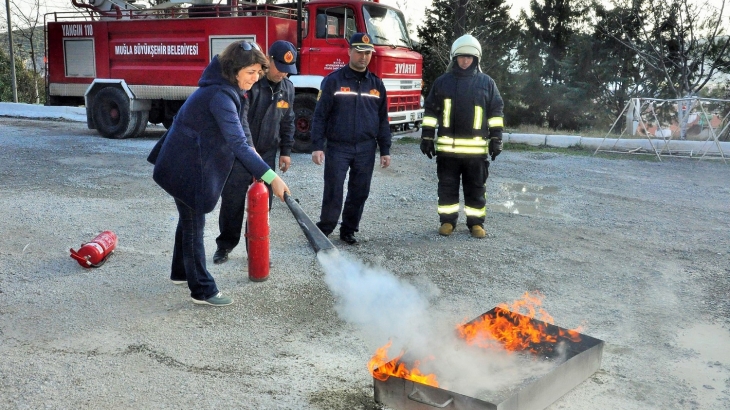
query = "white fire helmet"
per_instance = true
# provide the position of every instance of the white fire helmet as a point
(466, 45)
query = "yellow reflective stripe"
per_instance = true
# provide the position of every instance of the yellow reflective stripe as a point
(464, 142)
(462, 150)
(475, 211)
(478, 117)
(496, 122)
(447, 113)
(448, 209)
(430, 122)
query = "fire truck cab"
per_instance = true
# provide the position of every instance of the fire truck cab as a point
(130, 65)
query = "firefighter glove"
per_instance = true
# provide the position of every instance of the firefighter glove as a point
(495, 147)
(428, 148)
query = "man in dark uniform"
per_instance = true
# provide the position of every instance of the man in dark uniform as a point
(352, 117)
(271, 120)
(458, 104)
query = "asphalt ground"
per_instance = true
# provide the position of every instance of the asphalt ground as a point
(632, 251)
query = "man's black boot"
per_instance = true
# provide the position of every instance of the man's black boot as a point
(348, 238)
(221, 255)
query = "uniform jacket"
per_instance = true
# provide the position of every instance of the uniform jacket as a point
(350, 110)
(205, 138)
(271, 116)
(466, 89)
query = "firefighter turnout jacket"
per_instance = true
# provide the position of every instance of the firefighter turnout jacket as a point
(466, 107)
(351, 107)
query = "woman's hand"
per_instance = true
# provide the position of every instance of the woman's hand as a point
(279, 187)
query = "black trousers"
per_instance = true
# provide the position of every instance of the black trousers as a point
(356, 162)
(233, 202)
(188, 255)
(472, 173)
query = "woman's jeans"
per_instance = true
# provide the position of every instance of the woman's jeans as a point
(188, 257)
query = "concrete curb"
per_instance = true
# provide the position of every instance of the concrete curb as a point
(553, 141)
(41, 111)
(567, 141)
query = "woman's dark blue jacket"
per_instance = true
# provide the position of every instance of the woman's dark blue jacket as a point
(206, 137)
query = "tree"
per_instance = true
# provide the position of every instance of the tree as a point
(684, 45)
(682, 41)
(549, 96)
(28, 27)
(618, 70)
(436, 38)
(26, 80)
(460, 19)
(489, 22)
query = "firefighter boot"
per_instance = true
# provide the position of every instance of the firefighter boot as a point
(478, 232)
(446, 229)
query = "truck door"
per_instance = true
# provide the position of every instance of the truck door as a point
(332, 29)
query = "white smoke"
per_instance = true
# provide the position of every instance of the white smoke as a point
(384, 307)
(374, 300)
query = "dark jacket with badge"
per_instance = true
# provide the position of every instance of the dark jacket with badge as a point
(271, 116)
(197, 154)
(350, 110)
(459, 101)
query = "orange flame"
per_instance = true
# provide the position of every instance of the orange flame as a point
(381, 368)
(521, 326)
(513, 330)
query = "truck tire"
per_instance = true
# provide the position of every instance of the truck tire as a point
(142, 120)
(303, 111)
(112, 115)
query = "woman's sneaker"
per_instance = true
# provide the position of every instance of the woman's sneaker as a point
(217, 300)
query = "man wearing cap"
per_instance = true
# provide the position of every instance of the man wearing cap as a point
(271, 120)
(351, 116)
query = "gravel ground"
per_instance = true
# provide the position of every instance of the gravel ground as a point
(635, 252)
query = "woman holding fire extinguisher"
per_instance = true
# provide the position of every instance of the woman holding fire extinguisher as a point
(194, 159)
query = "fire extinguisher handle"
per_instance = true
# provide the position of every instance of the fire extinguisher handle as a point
(102, 261)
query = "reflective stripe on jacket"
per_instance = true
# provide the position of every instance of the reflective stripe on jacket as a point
(457, 105)
(351, 110)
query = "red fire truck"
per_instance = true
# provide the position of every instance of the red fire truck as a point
(131, 65)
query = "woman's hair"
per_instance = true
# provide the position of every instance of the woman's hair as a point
(238, 55)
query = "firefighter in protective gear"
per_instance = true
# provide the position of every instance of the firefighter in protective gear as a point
(465, 105)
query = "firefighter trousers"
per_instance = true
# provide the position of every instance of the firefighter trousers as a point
(472, 173)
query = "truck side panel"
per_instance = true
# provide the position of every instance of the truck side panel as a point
(170, 52)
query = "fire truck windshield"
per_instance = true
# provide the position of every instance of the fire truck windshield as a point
(386, 26)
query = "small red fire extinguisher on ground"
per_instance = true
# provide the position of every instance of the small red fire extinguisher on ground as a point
(257, 235)
(96, 252)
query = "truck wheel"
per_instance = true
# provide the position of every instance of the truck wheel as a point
(142, 119)
(112, 115)
(303, 111)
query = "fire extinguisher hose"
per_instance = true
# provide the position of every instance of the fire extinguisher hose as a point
(86, 262)
(316, 238)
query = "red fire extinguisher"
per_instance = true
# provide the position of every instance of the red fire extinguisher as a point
(257, 234)
(96, 252)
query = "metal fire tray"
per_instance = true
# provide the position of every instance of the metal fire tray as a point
(581, 360)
